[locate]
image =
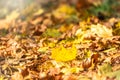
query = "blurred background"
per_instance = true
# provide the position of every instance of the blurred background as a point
(95, 6)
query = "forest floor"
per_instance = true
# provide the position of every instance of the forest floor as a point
(60, 42)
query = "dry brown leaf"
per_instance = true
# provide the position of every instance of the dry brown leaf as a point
(17, 76)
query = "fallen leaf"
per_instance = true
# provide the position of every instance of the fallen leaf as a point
(39, 12)
(51, 33)
(101, 30)
(64, 54)
(115, 74)
(17, 76)
(43, 49)
(105, 69)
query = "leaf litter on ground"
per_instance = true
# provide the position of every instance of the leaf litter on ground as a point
(50, 46)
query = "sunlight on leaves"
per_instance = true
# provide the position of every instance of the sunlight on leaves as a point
(101, 30)
(79, 32)
(43, 49)
(39, 12)
(109, 50)
(12, 16)
(64, 54)
(81, 35)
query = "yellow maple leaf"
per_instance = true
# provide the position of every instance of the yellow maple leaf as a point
(64, 54)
